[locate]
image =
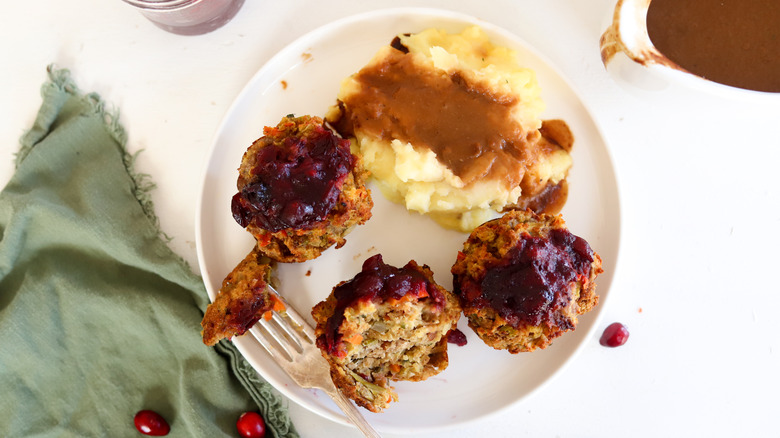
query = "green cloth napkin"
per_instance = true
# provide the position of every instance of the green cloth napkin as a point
(98, 317)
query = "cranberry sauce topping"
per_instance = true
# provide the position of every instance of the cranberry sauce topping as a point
(377, 281)
(296, 182)
(534, 280)
(245, 312)
(457, 337)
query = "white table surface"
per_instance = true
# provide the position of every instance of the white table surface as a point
(697, 280)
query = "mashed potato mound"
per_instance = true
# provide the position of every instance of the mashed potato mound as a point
(418, 145)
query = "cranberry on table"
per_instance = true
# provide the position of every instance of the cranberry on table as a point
(615, 335)
(151, 423)
(251, 425)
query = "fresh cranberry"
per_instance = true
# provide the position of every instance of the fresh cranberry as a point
(251, 425)
(151, 423)
(615, 335)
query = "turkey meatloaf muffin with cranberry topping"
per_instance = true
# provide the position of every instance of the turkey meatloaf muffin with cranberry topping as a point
(386, 324)
(523, 279)
(300, 190)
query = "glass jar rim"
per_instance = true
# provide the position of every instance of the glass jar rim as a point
(160, 4)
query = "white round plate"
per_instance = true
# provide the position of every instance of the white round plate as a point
(304, 79)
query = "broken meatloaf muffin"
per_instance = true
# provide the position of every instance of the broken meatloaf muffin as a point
(386, 324)
(522, 280)
(300, 190)
(242, 300)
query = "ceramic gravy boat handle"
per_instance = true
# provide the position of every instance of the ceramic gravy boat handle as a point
(628, 34)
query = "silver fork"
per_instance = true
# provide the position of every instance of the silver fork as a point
(289, 340)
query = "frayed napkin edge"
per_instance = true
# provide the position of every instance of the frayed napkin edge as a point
(61, 82)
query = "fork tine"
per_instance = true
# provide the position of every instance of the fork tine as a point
(286, 330)
(295, 317)
(277, 351)
(302, 328)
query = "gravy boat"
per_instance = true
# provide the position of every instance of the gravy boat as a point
(627, 35)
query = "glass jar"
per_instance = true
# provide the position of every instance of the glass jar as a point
(188, 17)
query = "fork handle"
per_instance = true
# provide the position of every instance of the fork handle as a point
(352, 413)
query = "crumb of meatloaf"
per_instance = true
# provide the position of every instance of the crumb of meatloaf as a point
(300, 190)
(386, 324)
(242, 300)
(523, 279)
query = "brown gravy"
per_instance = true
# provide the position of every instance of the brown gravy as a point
(470, 129)
(733, 42)
(552, 197)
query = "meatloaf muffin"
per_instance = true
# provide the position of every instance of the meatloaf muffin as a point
(386, 324)
(300, 190)
(242, 300)
(523, 279)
